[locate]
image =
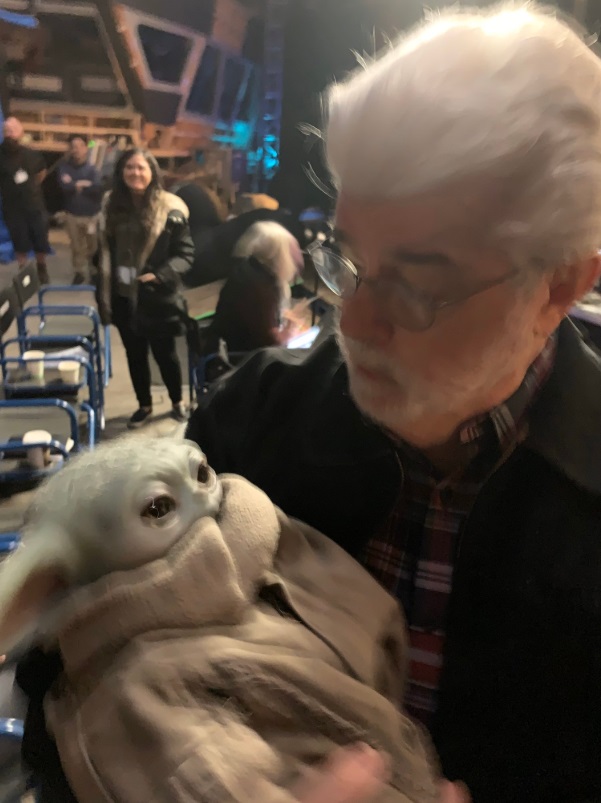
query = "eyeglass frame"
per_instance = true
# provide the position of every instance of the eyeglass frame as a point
(427, 304)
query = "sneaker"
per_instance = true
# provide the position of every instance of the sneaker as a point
(43, 274)
(179, 413)
(79, 278)
(139, 418)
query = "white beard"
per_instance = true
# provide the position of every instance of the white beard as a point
(458, 391)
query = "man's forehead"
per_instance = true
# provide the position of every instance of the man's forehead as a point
(434, 222)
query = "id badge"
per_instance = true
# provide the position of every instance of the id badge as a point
(126, 274)
(21, 176)
(92, 227)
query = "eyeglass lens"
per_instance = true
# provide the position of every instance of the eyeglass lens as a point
(339, 276)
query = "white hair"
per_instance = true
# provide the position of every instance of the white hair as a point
(510, 94)
(273, 246)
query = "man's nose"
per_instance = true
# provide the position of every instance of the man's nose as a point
(361, 319)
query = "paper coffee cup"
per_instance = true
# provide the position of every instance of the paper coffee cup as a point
(35, 363)
(69, 371)
(38, 456)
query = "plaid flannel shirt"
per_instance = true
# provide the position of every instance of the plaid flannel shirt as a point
(414, 553)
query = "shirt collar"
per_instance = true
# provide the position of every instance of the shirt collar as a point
(510, 419)
(487, 439)
(563, 421)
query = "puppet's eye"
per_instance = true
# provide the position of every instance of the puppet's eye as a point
(159, 507)
(203, 473)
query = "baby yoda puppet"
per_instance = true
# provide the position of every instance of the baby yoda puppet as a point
(213, 648)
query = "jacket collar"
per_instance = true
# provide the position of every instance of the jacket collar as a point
(564, 423)
(167, 202)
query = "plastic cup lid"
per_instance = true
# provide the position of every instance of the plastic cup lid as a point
(37, 436)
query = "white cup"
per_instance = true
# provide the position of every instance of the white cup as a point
(69, 371)
(35, 364)
(38, 457)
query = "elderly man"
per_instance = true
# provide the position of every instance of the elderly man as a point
(451, 439)
(22, 171)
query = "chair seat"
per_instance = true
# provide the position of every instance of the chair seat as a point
(16, 421)
(67, 325)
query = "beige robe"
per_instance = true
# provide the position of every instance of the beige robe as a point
(220, 672)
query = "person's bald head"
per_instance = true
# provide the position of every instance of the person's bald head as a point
(13, 129)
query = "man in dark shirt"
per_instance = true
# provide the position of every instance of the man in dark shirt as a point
(22, 171)
(82, 189)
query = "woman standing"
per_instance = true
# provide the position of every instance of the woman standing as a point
(145, 247)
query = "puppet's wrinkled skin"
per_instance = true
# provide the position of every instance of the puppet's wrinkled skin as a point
(118, 507)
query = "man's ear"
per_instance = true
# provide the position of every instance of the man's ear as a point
(30, 580)
(566, 287)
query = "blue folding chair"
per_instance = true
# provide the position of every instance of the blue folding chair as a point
(58, 325)
(106, 330)
(56, 416)
(17, 383)
(10, 311)
(9, 541)
(11, 733)
(12, 729)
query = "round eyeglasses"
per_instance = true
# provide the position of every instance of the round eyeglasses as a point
(402, 304)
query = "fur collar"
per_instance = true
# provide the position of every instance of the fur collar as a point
(166, 204)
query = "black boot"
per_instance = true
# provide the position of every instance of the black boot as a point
(43, 274)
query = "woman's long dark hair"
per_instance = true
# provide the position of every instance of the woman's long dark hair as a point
(121, 204)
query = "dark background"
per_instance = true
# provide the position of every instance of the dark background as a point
(322, 38)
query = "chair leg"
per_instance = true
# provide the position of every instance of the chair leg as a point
(108, 356)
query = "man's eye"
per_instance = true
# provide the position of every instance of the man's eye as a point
(158, 508)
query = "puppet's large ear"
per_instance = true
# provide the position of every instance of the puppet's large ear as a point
(29, 582)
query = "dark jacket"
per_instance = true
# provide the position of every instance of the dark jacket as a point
(84, 202)
(20, 189)
(158, 307)
(249, 309)
(520, 702)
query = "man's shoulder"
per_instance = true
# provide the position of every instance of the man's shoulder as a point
(281, 369)
(565, 424)
(272, 386)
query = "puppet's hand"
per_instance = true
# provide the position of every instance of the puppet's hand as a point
(356, 775)
(351, 775)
